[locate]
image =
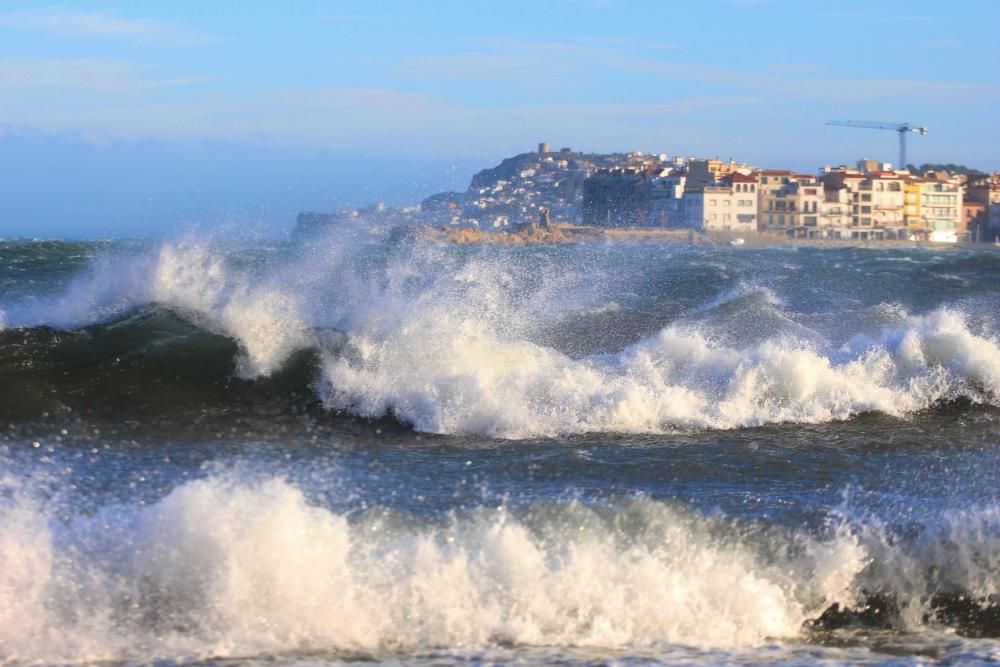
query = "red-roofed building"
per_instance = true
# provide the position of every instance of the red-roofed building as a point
(727, 205)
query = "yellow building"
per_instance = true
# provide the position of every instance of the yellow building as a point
(912, 196)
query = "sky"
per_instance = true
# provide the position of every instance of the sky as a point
(136, 119)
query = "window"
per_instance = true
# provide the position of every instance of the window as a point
(866, 209)
(866, 197)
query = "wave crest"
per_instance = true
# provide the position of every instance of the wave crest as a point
(455, 341)
(453, 379)
(222, 567)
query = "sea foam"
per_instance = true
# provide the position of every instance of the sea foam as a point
(222, 567)
(446, 340)
(449, 376)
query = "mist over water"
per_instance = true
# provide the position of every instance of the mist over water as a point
(343, 448)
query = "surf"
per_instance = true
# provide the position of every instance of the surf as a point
(486, 342)
(229, 566)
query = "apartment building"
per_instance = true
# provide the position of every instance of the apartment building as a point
(769, 181)
(835, 213)
(667, 199)
(974, 219)
(912, 198)
(618, 197)
(701, 173)
(729, 205)
(876, 202)
(794, 205)
(941, 211)
(985, 191)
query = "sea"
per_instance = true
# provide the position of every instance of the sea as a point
(342, 450)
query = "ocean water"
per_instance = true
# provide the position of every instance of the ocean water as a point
(340, 450)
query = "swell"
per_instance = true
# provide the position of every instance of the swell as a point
(150, 363)
(223, 567)
(508, 344)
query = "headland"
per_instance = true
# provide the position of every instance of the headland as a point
(547, 197)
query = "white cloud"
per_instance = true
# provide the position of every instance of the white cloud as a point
(102, 25)
(359, 119)
(68, 75)
(555, 65)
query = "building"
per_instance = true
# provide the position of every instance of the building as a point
(769, 181)
(728, 205)
(985, 190)
(875, 199)
(701, 173)
(941, 211)
(667, 199)
(618, 197)
(795, 208)
(835, 213)
(974, 219)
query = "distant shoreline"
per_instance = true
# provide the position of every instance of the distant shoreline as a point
(557, 234)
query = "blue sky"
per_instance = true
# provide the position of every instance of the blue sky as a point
(143, 118)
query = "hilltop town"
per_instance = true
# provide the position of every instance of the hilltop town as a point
(586, 195)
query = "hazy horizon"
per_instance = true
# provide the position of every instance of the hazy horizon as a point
(127, 120)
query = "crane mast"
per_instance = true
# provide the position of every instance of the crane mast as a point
(902, 129)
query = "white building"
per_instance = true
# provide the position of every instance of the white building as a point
(667, 199)
(941, 210)
(728, 205)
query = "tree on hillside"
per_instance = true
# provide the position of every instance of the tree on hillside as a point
(954, 169)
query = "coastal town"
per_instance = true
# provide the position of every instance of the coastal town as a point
(868, 201)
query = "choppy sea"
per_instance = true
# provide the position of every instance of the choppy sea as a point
(339, 450)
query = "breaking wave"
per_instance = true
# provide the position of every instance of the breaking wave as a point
(482, 342)
(221, 567)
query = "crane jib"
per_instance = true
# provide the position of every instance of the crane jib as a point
(900, 128)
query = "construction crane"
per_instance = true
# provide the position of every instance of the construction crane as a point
(902, 129)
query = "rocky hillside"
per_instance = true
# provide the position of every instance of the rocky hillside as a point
(515, 191)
